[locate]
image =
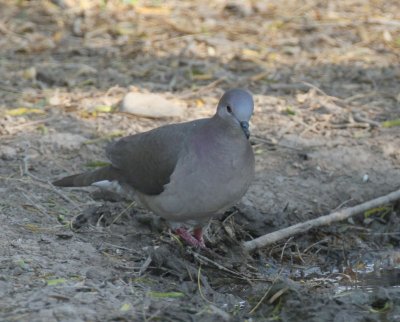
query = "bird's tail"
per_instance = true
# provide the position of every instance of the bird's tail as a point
(87, 178)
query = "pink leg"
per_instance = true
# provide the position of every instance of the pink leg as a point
(198, 234)
(189, 238)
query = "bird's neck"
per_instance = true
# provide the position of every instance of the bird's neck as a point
(217, 136)
(218, 126)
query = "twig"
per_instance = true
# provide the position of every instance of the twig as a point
(382, 21)
(199, 285)
(26, 172)
(315, 244)
(200, 90)
(358, 96)
(145, 265)
(349, 23)
(288, 87)
(320, 91)
(31, 123)
(340, 215)
(385, 234)
(8, 89)
(33, 203)
(63, 196)
(362, 119)
(122, 247)
(123, 212)
(183, 37)
(272, 143)
(263, 140)
(284, 247)
(351, 126)
(207, 260)
(266, 293)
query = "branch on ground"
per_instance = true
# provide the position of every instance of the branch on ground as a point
(340, 215)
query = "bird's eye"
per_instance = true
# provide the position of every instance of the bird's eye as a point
(229, 109)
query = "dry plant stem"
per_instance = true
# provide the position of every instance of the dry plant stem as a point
(26, 172)
(340, 215)
(201, 90)
(123, 212)
(199, 285)
(207, 260)
(359, 118)
(266, 293)
(8, 89)
(32, 123)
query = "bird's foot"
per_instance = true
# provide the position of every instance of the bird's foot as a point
(195, 240)
(198, 234)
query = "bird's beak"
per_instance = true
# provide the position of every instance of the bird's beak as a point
(245, 127)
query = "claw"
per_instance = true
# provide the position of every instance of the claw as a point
(198, 234)
(195, 240)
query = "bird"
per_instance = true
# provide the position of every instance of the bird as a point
(187, 173)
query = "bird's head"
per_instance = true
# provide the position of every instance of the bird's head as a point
(236, 107)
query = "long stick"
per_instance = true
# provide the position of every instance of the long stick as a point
(340, 215)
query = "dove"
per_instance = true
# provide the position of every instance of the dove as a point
(186, 173)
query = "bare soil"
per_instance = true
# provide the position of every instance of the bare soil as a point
(326, 82)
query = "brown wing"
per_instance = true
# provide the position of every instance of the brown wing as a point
(148, 159)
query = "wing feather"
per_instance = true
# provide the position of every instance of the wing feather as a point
(148, 159)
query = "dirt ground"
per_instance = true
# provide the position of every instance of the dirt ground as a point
(326, 80)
